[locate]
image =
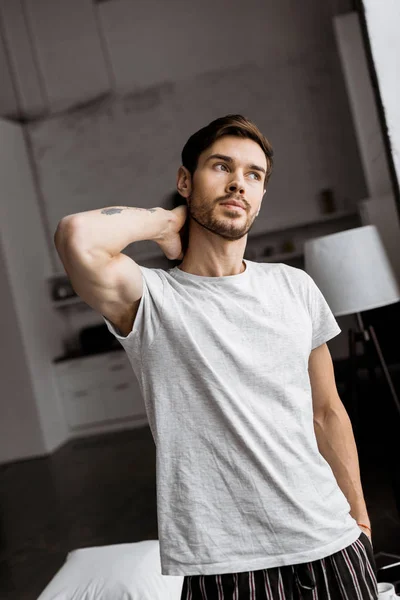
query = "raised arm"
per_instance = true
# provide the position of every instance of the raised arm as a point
(90, 247)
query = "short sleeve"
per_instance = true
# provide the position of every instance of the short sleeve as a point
(324, 324)
(148, 317)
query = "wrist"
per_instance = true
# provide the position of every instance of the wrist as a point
(165, 219)
(361, 516)
(364, 526)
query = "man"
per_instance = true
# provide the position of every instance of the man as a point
(258, 486)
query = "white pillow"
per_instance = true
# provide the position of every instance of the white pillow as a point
(118, 572)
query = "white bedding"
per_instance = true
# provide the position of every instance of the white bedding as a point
(118, 572)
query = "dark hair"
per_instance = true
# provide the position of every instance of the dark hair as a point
(228, 125)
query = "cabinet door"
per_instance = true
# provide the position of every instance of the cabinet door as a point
(123, 400)
(93, 406)
(84, 407)
(93, 371)
(99, 389)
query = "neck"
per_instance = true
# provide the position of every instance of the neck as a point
(212, 268)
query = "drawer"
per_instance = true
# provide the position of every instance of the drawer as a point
(98, 374)
(82, 408)
(106, 403)
(123, 400)
(96, 362)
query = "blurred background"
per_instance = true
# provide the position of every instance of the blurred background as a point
(97, 100)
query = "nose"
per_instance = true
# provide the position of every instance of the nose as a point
(236, 185)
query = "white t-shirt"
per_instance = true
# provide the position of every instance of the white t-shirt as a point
(222, 363)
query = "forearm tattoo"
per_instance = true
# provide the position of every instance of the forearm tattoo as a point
(116, 211)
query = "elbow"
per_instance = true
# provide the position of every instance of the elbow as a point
(66, 231)
(334, 414)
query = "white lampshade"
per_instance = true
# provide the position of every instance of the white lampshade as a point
(352, 270)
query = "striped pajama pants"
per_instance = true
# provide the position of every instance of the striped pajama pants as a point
(349, 574)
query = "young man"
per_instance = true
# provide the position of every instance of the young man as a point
(258, 486)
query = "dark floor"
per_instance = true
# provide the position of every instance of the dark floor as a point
(101, 490)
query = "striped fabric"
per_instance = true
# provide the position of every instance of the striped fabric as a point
(349, 574)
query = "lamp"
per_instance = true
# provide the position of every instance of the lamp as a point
(353, 272)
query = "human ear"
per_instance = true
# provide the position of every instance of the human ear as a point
(184, 182)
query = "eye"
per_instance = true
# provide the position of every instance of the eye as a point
(258, 176)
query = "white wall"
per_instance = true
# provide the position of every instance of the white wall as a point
(21, 57)
(155, 41)
(379, 208)
(362, 101)
(20, 431)
(68, 50)
(383, 23)
(55, 54)
(8, 98)
(33, 323)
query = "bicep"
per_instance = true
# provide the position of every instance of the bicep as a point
(113, 286)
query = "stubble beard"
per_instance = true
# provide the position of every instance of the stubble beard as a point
(229, 228)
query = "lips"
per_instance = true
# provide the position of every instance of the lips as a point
(234, 203)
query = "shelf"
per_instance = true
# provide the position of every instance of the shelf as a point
(336, 216)
(68, 302)
(282, 257)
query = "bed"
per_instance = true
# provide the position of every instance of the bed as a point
(117, 572)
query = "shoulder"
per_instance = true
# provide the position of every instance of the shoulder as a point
(154, 280)
(295, 272)
(292, 276)
(152, 274)
(284, 278)
(279, 271)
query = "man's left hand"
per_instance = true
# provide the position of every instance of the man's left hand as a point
(367, 532)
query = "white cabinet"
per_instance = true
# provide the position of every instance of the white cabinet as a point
(100, 390)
